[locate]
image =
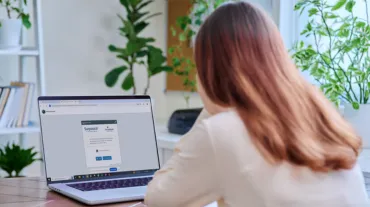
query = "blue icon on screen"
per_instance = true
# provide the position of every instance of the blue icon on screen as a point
(113, 169)
(99, 158)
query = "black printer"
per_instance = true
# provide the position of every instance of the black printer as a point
(182, 120)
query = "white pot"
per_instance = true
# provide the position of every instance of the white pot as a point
(10, 33)
(360, 120)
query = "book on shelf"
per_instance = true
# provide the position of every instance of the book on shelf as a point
(15, 104)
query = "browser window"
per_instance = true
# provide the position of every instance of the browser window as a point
(97, 138)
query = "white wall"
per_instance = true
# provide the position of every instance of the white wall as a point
(76, 55)
(76, 36)
(76, 58)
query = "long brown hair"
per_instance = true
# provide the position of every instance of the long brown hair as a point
(243, 63)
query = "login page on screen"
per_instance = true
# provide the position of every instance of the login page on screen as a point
(101, 142)
(97, 138)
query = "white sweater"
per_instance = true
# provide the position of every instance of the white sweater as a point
(216, 161)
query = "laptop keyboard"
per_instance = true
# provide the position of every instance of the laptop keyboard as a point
(111, 184)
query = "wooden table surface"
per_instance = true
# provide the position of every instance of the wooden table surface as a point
(32, 192)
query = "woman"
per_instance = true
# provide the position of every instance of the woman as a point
(270, 139)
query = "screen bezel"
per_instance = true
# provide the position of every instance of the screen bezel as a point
(145, 172)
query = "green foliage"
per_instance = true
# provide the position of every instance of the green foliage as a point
(138, 50)
(339, 58)
(185, 30)
(13, 159)
(12, 7)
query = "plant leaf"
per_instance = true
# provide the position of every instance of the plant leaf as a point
(142, 53)
(182, 37)
(134, 3)
(312, 11)
(360, 24)
(134, 46)
(144, 4)
(126, 4)
(134, 17)
(151, 16)
(182, 22)
(113, 48)
(127, 28)
(140, 27)
(338, 5)
(26, 20)
(173, 31)
(128, 83)
(355, 105)
(176, 62)
(112, 77)
(14, 159)
(155, 58)
(366, 94)
(349, 5)
(16, 9)
(309, 27)
(171, 50)
(161, 69)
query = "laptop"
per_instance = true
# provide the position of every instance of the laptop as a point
(98, 149)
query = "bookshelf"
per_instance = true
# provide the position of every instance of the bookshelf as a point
(21, 52)
(20, 130)
(36, 52)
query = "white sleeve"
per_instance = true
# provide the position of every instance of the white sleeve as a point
(190, 177)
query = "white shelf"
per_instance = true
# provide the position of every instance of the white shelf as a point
(26, 51)
(21, 130)
(165, 139)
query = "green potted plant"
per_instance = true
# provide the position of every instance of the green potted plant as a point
(138, 51)
(10, 27)
(339, 58)
(13, 159)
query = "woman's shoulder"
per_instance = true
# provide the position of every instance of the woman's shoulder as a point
(231, 141)
(225, 121)
(227, 127)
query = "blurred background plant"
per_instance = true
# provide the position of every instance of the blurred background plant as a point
(138, 50)
(185, 30)
(14, 9)
(338, 59)
(13, 159)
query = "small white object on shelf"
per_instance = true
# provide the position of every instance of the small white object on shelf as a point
(20, 130)
(20, 52)
(364, 160)
(10, 33)
(165, 139)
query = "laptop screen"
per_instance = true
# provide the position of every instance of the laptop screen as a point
(95, 138)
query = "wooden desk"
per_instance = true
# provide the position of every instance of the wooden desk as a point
(32, 192)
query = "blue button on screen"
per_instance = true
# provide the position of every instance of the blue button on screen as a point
(113, 169)
(99, 158)
(107, 158)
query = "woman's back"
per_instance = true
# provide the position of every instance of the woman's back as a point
(217, 161)
(247, 179)
(282, 144)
